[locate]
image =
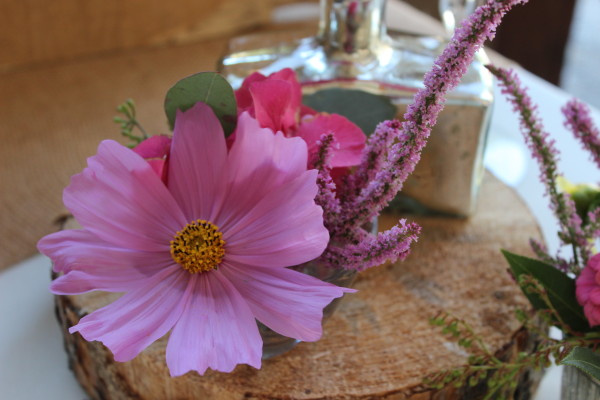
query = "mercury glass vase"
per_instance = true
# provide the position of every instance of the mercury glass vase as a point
(354, 50)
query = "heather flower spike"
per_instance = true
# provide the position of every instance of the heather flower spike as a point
(203, 257)
(544, 151)
(422, 114)
(578, 120)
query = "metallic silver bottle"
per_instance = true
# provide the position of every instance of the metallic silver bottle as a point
(354, 50)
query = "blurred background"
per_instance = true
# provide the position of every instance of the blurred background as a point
(556, 40)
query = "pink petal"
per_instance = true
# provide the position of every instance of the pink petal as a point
(115, 280)
(159, 167)
(349, 138)
(259, 162)
(594, 296)
(276, 104)
(594, 263)
(585, 283)
(243, 96)
(93, 264)
(155, 151)
(216, 330)
(287, 301)
(154, 147)
(141, 316)
(79, 249)
(283, 229)
(289, 75)
(592, 313)
(198, 162)
(120, 199)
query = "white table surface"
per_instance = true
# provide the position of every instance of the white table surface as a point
(33, 364)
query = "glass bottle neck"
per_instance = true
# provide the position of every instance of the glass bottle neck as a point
(351, 26)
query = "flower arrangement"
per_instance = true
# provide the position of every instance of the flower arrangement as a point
(198, 229)
(564, 292)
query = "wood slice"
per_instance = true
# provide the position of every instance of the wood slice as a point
(379, 343)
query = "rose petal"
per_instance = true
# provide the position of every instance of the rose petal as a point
(276, 104)
(216, 330)
(349, 139)
(585, 283)
(592, 313)
(154, 147)
(243, 96)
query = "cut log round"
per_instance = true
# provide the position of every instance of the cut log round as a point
(378, 344)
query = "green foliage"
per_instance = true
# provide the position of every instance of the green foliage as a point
(585, 359)
(551, 290)
(129, 122)
(207, 87)
(500, 376)
(364, 109)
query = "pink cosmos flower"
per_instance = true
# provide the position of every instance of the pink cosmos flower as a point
(202, 257)
(588, 290)
(276, 102)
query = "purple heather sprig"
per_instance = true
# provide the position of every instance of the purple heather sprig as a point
(541, 251)
(421, 116)
(393, 244)
(592, 228)
(579, 122)
(543, 150)
(374, 156)
(326, 197)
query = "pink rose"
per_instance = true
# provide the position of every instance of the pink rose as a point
(588, 290)
(276, 103)
(155, 151)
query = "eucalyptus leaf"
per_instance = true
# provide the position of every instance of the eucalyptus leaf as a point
(364, 109)
(208, 87)
(559, 286)
(585, 359)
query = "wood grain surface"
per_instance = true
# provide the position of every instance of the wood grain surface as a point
(41, 32)
(378, 344)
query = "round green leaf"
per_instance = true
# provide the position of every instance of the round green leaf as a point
(207, 87)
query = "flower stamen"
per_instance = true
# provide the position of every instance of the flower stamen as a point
(199, 247)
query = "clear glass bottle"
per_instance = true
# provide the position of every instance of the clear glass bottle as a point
(354, 50)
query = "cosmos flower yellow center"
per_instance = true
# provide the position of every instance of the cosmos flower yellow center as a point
(199, 247)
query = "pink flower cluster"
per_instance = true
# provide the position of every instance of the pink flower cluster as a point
(588, 290)
(544, 151)
(203, 256)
